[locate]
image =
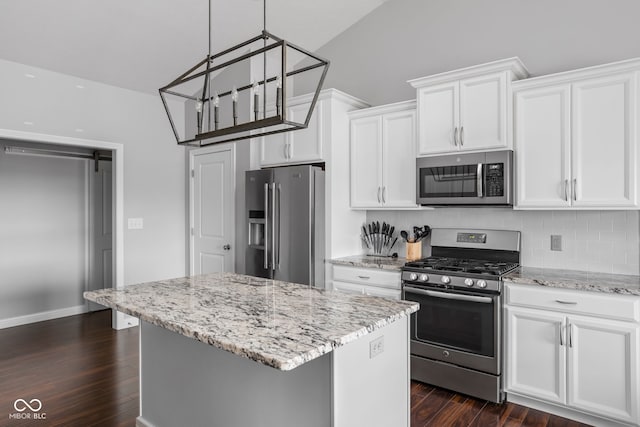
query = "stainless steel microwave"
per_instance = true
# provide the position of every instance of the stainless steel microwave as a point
(482, 179)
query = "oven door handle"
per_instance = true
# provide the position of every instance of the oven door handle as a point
(445, 295)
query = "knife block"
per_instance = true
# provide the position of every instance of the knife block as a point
(414, 251)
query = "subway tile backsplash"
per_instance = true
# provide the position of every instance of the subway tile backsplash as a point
(602, 241)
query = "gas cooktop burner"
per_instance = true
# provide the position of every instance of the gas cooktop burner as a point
(475, 266)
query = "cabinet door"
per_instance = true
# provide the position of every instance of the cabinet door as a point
(542, 142)
(399, 160)
(273, 148)
(382, 292)
(348, 287)
(366, 162)
(604, 141)
(437, 118)
(306, 144)
(535, 352)
(483, 112)
(603, 367)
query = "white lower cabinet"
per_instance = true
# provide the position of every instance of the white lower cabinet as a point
(587, 364)
(367, 281)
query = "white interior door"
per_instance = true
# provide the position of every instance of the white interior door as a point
(100, 223)
(212, 211)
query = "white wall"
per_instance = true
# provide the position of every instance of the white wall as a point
(43, 229)
(154, 171)
(591, 241)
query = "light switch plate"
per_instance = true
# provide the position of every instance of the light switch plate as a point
(376, 347)
(135, 223)
(556, 242)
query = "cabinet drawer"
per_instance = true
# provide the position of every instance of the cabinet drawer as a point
(367, 276)
(571, 301)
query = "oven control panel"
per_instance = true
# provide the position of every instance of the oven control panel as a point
(471, 238)
(445, 281)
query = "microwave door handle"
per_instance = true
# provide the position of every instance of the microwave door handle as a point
(479, 180)
(444, 295)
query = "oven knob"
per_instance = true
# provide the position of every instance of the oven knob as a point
(413, 276)
(482, 284)
(445, 279)
(424, 277)
(469, 282)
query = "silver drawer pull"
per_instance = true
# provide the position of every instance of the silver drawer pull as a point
(365, 277)
(566, 302)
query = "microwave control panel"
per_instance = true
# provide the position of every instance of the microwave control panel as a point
(494, 179)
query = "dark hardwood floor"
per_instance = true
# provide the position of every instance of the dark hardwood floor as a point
(86, 374)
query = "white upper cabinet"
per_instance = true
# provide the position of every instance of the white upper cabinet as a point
(576, 140)
(467, 109)
(383, 161)
(300, 146)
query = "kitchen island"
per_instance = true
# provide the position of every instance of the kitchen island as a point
(231, 350)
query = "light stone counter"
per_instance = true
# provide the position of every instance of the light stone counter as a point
(579, 280)
(364, 261)
(279, 324)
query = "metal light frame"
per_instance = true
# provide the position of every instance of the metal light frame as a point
(262, 127)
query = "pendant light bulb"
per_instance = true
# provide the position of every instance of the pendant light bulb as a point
(279, 82)
(198, 106)
(234, 94)
(254, 87)
(216, 100)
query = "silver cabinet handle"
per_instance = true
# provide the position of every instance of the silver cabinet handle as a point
(289, 150)
(266, 226)
(566, 302)
(461, 136)
(378, 194)
(479, 180)
(561, 334)
(365, 277)
(570, 326)
(227, 247)
(566, 192)
(285, 150)
(455, 136)
(575, 183)
(384, 191)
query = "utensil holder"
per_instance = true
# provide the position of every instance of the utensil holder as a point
(414, 251)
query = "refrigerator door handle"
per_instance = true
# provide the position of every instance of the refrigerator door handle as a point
(273, 226)
(277, 265)
(266, 226)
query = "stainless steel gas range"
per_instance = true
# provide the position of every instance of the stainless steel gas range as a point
(456, 336)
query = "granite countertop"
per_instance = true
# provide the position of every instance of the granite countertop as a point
(279, 324)
(365, 261)
(579, 280)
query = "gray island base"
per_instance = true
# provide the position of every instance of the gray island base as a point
(230, 350)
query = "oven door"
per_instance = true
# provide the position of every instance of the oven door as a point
(456, 327)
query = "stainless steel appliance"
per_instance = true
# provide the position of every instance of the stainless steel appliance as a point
(465, 179)
(285, 221)
(456, 335)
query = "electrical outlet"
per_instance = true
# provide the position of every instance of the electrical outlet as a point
(135, 223)
(556, 242)
(376, 347)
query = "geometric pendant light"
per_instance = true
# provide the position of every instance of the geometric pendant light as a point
(241, 92)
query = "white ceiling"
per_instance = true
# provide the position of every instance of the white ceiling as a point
(145, 44)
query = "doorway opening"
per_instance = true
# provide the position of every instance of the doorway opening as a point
(62, 225)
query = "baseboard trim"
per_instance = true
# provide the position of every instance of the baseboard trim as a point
(43, 315)
(565, 412)
(141, 422)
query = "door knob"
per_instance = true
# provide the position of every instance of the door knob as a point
(227, 247)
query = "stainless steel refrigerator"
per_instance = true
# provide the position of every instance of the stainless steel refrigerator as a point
(285, 221)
